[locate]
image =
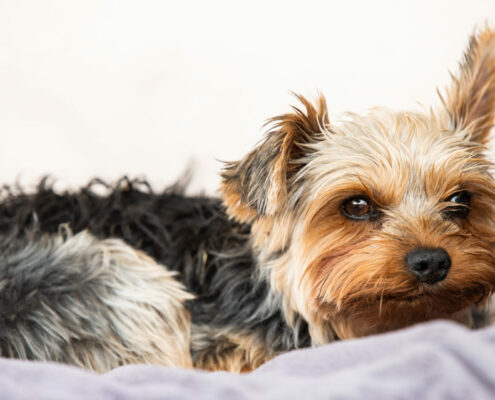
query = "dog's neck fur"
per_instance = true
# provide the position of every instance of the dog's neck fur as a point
(271, 241)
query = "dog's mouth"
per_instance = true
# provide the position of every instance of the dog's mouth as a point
(371, 315)
(431, 302)
(444, 299)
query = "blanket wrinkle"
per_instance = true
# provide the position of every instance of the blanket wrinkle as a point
(435, 360)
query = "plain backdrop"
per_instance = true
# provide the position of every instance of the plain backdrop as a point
(147, 88)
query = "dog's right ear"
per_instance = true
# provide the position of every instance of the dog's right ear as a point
(261, 183)
(470, 99)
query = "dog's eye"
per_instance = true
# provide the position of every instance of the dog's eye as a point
(461, 206)
(359, 208)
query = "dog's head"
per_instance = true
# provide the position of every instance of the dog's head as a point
(378, 221)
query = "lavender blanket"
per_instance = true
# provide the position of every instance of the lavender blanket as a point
(438, 360)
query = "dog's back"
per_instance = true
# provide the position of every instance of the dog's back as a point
(191, 235)
(79, 300)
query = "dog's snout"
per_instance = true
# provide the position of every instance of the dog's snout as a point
(429, 265)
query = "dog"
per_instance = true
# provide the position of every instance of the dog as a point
(327, 230)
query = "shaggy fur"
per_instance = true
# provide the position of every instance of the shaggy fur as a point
(190, 235)
(79, 300)
(313, 242)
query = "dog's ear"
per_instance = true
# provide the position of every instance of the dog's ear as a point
(260, 184)
(470, 100)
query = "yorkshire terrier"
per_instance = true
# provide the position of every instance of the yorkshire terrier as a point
(327, 230)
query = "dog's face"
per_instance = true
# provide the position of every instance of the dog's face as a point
(378, 221)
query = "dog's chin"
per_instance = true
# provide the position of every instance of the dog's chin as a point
(359, 327)
(374, 316)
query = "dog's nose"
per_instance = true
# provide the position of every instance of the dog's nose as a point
(429, 265)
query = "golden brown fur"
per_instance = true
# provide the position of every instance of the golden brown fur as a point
(348, 277)
(230, 352)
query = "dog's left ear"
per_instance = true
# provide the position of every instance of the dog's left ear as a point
(470, 101)
(261, 183)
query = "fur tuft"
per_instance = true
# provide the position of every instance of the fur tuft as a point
(261, 183)
(79, 300)
(470, 101)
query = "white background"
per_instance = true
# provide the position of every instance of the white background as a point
(147, 88)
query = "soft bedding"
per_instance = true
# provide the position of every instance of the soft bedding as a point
(436, 360)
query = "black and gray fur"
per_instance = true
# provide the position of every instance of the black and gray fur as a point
(190, 235)
(78, 300)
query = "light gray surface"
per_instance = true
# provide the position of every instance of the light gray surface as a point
(438, 360)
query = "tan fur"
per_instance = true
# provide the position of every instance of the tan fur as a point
(471, 98)
(147, 321)
(349, 277)
(228, 351)
(351, 267)
(284, 145)
(233, 202)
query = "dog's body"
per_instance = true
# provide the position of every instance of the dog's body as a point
(236, 322)
(327, 230)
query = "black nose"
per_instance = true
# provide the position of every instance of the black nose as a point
(429, 265)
